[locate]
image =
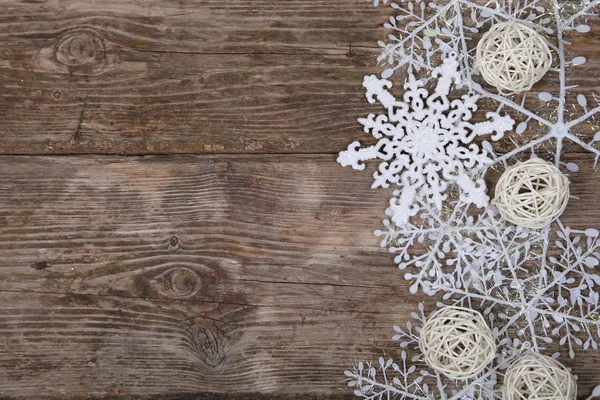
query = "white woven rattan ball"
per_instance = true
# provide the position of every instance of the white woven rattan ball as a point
(457, 342)
(532, 193)
(535, 377)
(512, 57)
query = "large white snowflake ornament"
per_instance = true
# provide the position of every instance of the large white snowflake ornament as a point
(425, 142)
(423, 32)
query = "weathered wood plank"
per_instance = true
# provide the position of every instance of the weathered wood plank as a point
(188, 104)
(202, 26)
(196, 77)
(66, 345)
(154, 275)
(252, 295)
(192, 77)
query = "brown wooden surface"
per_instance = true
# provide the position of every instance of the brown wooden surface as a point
(243, 267)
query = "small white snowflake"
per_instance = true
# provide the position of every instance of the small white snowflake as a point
(425, 142)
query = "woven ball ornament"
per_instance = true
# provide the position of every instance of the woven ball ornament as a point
(532, 193)
(512, 57)
(536, 377)
(457, 342)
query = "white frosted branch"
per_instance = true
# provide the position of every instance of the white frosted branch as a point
(523, 148)
(584, 117)
(583, 144)
(580, 13)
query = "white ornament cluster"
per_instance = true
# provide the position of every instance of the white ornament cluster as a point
(524, 373)
(535, 284)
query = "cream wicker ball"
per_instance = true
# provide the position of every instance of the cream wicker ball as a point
(532, 193)
(536, 377)
(457, 342)
(512, 57)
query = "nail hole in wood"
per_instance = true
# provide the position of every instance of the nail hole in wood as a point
(41, 265)
(173, 243)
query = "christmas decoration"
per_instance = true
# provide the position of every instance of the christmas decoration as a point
(457, 342)
(532, 193)
(536, 377)
(512, 57)
(411, 378)
(422, 33)
(483, 260)
(425, 142)
(536, 284)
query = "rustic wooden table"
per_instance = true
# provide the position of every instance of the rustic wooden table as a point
(173, 221)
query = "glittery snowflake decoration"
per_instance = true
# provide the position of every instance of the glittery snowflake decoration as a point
(540, 283)
(425, 142)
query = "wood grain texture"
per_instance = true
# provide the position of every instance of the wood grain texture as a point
(186, 274)
(235, 76)
(189, 77)
(231, 266)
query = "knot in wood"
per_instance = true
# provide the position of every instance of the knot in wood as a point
(182, 282)
(80, 47)
(209, 342)
(41, 265)
(173, 243)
